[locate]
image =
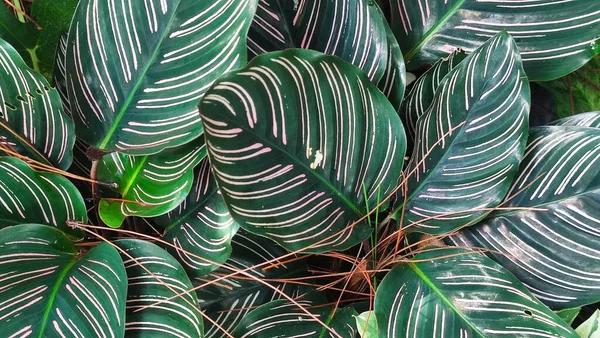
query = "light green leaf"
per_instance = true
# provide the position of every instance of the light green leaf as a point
(568, 315)
(469, 142)
(591, 327)
(293, 140)
(49, 290)
(32, 120)
(549, 235)
(201, 225)
(366, 324)
(451, 292)
(149, 185)
(160, 278)
(555, 38)
(29, 196)
(137, 71)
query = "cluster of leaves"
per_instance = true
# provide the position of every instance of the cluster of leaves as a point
(263, 168)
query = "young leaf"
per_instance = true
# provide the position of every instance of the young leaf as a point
(49, 290)
(201, 225)
(550, 242)
(154, 275)
(149, 185)
(568, 315)
(136, 71)
(591, 327)
(469, 142)
(295, 139)
(450, 292)
(29, 196)
(32, 120)
(366, 324)
(554, 40)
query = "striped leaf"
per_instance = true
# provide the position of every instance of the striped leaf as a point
(137, 70)
(423, 91)
(149, 185)
(154, 275)
(201, 225)
(59, 73)
(49, 290)
(469, 142)
(554, 37)
(32, 120)
(553, 248)
(284, 319)
(296, 140)
(229, 300)
(591, 119)
(29, 196)
(356, 31)
(452, 293)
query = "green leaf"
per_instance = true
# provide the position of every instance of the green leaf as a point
(59, 73)
(29, 196)
(366, 324)
(549, 237)
(591, 119)
(591, 327)
(154, 275)
(201, 226)
(149, 185)
(577, 92)
(555, 38)
(568, 315)
(293, 140)
(32, 120)
(136, 73)
(227, 301)
(451, 292)
(284, 319)
(422, 93)
(355, 31)
(49, 290)
(469, 142)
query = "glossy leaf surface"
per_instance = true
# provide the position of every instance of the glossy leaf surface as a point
(552, 246)
(554, 37)
(48, 290)
(469, 142)
(294, 139)
(136, 71)
(453, 293)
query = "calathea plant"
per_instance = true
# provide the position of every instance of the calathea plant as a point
(254, 168)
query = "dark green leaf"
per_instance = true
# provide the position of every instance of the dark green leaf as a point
(296, 140)
(591, 119)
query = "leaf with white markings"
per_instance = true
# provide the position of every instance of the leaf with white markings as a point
(355, 31)
(591, 119)
(136, 70)
(227, 301)
(32, 120)
(555, 38)
(149, 185)
(296, 140)
(451, 292)
(59, 73)
(154, 275)
(201, 226)
(552, 243)
(49, 290)
(29, 196)
(469, 142)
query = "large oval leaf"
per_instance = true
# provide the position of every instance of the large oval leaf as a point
(29, 196)
(591, 119)
(553, 245)
(149, 185)
(555, 37)
(32, 120)
(453, 293)
(356, 31)
(201, 226)
(154, 275)
(296, 140)
(48, 290)
(227, 301)
(136, 71)
(469, 142)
